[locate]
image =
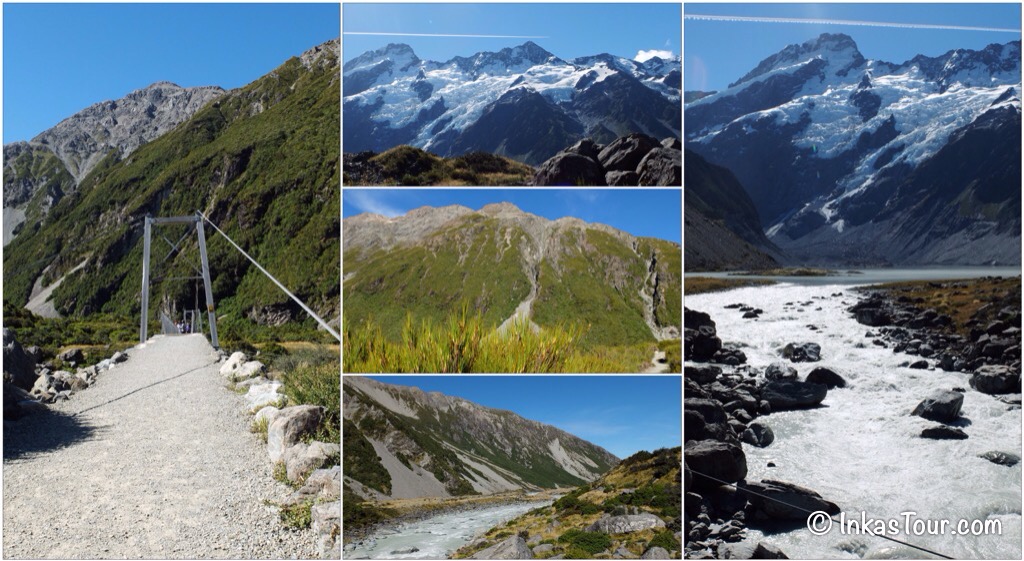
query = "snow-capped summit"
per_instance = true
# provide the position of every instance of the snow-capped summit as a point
(822, 139)
(839, 50)
(392, 97)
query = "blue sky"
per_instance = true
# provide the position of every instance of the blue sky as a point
(622, 414)
(565, 30)
(61, 58)
(720, 52)
(654, 213)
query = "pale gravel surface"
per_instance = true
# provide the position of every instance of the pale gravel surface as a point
(154, 461)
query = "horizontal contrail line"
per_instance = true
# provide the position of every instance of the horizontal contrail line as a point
(759, 19)
(444, 35)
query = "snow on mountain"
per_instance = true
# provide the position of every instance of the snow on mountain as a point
(392, 97)
(839, 124)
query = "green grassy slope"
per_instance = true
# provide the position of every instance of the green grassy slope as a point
(467, 264)
(262, 162)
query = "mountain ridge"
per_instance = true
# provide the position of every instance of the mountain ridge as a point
(511, 263)
(465, 104)
(432, 444)
(822, 139)
(34, 183)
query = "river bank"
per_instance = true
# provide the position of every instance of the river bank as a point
(433, 527)
(857, 447)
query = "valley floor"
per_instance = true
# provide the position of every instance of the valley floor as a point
(155, 460)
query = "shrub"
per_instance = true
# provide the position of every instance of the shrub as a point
(665, 539)
(591, 542)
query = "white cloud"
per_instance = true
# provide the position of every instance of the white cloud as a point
(642, 56)
(369, 201)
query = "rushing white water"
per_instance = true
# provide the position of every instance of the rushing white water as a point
(862, 449)
(436, 537)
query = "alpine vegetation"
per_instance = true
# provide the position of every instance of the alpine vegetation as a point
(545, 295)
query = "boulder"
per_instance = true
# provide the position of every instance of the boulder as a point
(269, 413)
(326, 524)
(19, 366)
(244, 384)
(321, 484)
(802, 352)
(661, 167)
(626, 152)
(72, 356)
(702, 374)
(43, 385)
(656, 552)
(942, 432)
(1002, 458)
(699, 340)
(825, 377)
(622, 178)
(626, 523)
(721, 460)
(758, 435)
(672, 142)
(262, 395)
(995, 379)
(585, 147)
(919, 364)
(543, 548)
(11, 408)
(791, 394)
(568, 169)
(619, 553)
(301, 458)
(513, 548)
(248, 370)
(118, 357)
(874, 317)
(234, 362)
(291, 424)
(942, 406)
(780, 371)
(748, 550)
(789, 500)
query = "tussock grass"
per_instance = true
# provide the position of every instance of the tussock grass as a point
(461, 344)
(313, 376)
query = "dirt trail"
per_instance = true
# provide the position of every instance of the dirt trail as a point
(154, 461)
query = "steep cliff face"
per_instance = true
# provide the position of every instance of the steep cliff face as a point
(506, 262)
(401, 442)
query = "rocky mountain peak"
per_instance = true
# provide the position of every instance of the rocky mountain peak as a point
(836, 48)
(83, 139)
(502, 209)
(392, 52)
(325, 54)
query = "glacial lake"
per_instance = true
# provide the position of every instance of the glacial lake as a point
(875, 276)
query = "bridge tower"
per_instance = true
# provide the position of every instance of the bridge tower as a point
(194, 221)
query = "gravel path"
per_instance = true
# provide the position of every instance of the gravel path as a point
(153, 461)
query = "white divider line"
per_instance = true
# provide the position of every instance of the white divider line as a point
(319, 319)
